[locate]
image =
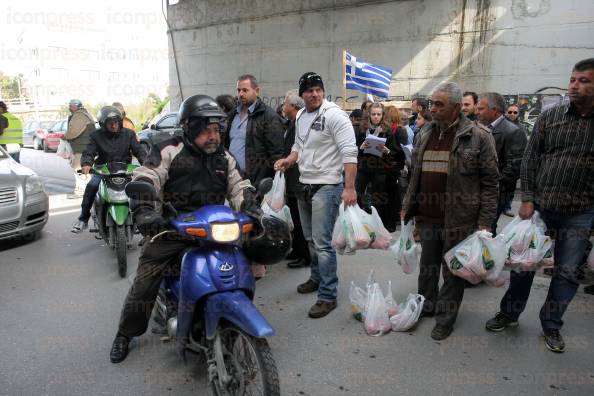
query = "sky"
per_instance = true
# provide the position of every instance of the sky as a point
(97, 50)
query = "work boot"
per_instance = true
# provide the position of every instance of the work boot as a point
(441, 332)
(119, 349)
(500, 322)
(321, 309)
(309, 286)
(78, 226)
(554, 341)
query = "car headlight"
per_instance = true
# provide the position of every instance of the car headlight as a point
(227, 232)
(34, 185)
(116, 196)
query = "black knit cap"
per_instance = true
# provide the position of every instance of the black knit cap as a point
(309, 80)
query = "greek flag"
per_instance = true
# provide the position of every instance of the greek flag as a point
(366, 77)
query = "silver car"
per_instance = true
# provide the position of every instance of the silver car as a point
(24, 205)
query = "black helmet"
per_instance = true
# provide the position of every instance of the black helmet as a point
(272, 244)
(201, 110)
(108, 113)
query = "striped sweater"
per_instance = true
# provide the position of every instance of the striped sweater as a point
(558, 166)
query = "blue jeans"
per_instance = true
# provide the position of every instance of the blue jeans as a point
(89, 197)
(318, 214)
(571, 232)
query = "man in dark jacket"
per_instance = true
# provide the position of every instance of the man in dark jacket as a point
(300, 254)
(452, 193)
(110, 143)
(510, 142)
(255, 132)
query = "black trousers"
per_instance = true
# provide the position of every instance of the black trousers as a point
(158, 259)
(89, 197)
(300, 246)
(370, 187)
(444, 302)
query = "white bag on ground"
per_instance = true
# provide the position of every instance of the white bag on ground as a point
(408, 313)
(405, 249)
(377, 321)
(64, 149)
(358, 298)
(479, 257)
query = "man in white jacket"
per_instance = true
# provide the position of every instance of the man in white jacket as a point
(324, 147)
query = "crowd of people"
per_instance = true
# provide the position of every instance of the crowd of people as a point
(452, 166)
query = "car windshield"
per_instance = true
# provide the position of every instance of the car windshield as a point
(47, 124)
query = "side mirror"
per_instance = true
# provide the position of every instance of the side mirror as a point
(141, 191)
(153, 127)
(264, 186)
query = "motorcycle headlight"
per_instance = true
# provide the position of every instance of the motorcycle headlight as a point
(34, 185)
(116, 196)
(227, 232)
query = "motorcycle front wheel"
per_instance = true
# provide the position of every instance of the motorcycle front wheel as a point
(121, 247)
(249, 363)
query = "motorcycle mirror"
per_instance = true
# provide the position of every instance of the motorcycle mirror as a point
(141, 191)
(264, 186)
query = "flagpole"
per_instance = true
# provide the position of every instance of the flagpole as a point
(344, 97)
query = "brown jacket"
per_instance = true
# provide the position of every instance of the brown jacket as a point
(80, 126)
(473, 178)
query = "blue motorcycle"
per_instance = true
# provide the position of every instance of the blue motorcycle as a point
(208, 308)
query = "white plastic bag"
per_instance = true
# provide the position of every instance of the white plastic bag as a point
(380, 237)
(358, 298)
(391, 305)
(528, 248)
(64, 149)
(494, 255)
(405, 249)
(284, 214)
(276, 195)
(408, 314)
(377, 321)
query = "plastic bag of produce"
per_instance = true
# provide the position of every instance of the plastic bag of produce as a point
(405, 249)
(377, 321)
(408, 313)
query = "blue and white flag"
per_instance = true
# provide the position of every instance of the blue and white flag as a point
(366, 77)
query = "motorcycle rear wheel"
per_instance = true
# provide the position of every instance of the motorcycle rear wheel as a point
(249, 361)
(121, 250)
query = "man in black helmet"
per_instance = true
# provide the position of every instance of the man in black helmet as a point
(110, 143)
(189, 172)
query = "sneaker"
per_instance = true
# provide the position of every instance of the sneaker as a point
(500, 322)
(79, 226)
(554, 341)
(119, 348)
(321, 309)
(441, 332)
(308, 287)
(509, 213)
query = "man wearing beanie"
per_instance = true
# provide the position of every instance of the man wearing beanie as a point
(325, 147)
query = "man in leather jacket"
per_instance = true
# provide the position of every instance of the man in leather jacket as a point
(110, 143)
(188, 172)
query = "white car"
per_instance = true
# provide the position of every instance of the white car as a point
(24, 204)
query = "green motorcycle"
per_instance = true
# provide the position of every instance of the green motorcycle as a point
(111, 211)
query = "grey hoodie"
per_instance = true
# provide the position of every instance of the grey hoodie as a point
(328, 144)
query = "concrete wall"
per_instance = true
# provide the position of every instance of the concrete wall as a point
(509, 46)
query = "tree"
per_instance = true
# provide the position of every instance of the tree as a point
(10, 87)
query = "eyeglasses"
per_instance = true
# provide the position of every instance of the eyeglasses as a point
(512, 112)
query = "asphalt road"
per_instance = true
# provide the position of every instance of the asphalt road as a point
(60, 298)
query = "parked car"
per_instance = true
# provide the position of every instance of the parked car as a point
(165, 128)
(33, 129)
(49, 139)
(24, 204)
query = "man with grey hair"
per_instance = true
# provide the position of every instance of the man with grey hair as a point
(452, 193)
(510, 142)
(299, 256)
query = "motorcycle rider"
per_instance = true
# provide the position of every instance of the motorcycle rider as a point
(189, 172)
(110, 143)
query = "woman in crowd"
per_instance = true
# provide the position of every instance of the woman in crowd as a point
(376, 170)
